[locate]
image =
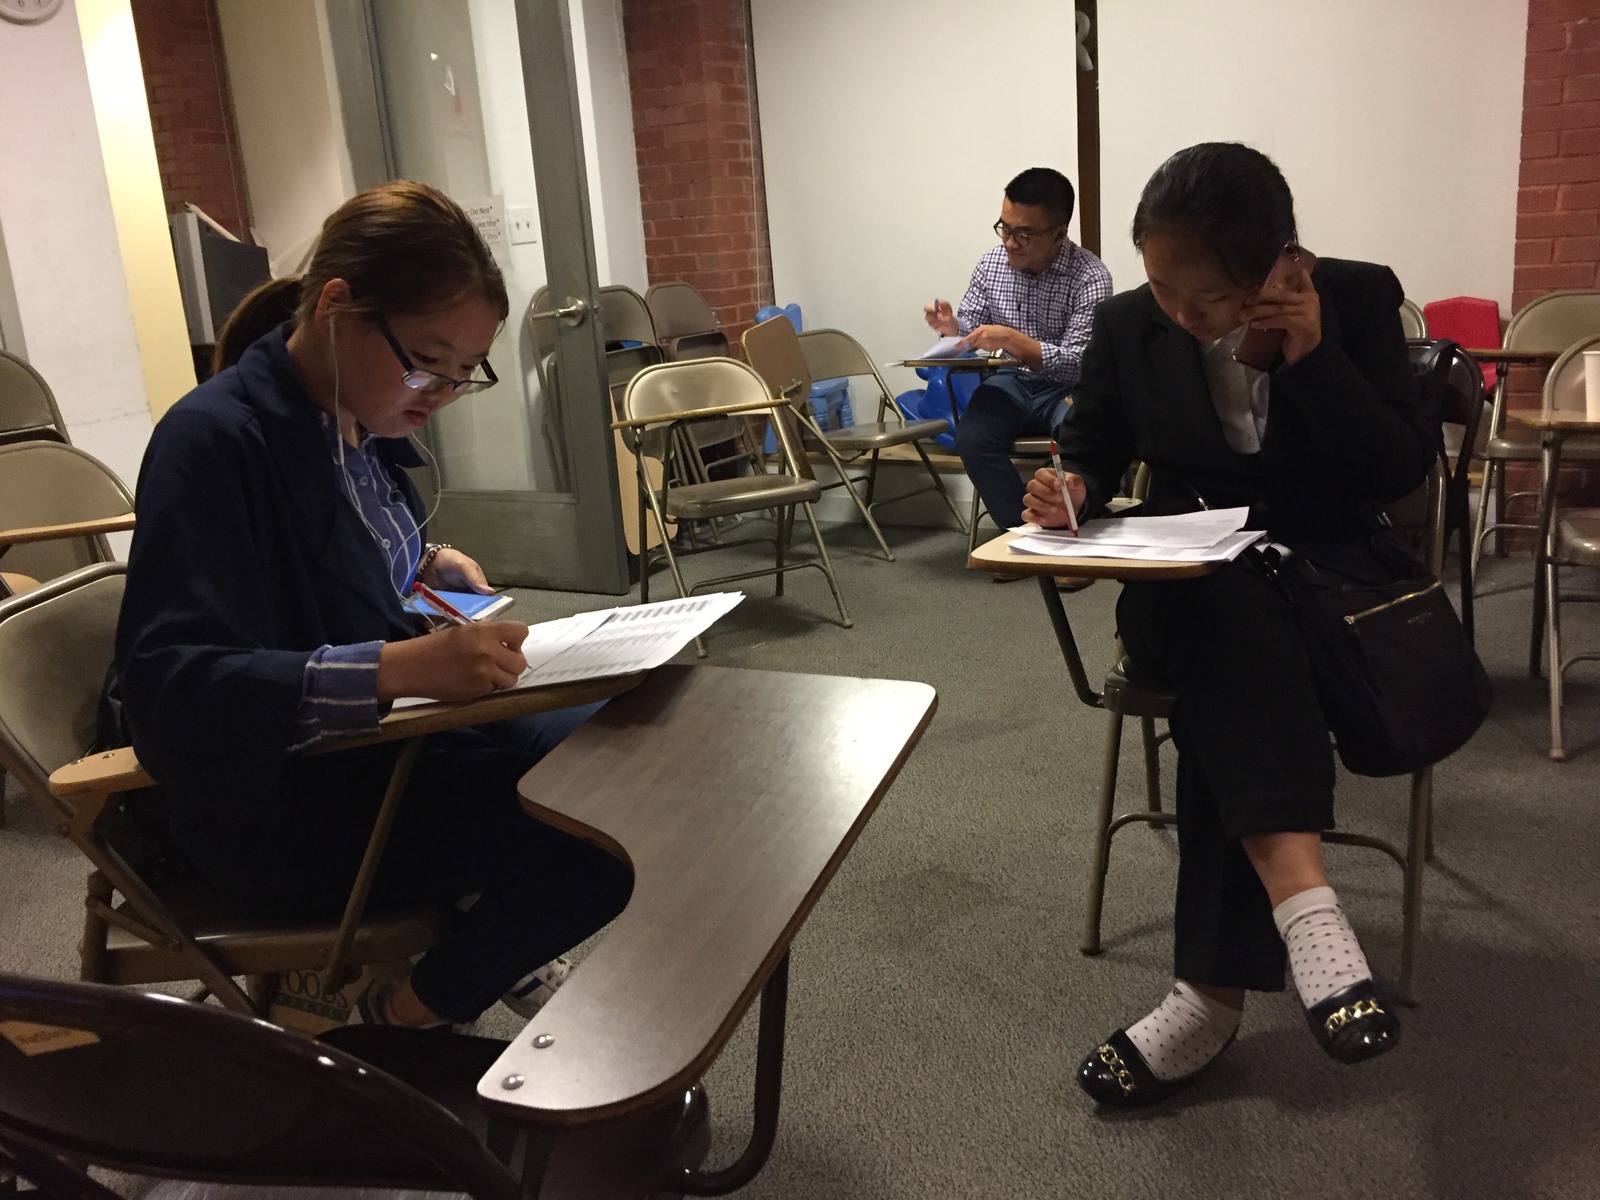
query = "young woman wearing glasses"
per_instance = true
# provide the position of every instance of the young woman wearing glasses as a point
(278, 534)
(1314, 439)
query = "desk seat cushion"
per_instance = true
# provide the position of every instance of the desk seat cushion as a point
(1136, 693)
(877, 434)
(1579, 534)
(697, 501)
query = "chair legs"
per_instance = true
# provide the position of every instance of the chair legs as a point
(1552, 618)
(1417, 854)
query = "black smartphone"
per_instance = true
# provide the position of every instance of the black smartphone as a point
(1259, 348)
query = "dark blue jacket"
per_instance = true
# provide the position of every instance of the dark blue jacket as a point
(246, 558)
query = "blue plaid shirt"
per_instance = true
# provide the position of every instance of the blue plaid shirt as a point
(340, 695)
(1054, 307)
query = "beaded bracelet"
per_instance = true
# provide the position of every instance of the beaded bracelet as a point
(429, 555)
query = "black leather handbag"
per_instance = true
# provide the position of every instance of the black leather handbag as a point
(1398, 680)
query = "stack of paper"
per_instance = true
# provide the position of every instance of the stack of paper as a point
(613, 641)
(1215, 535)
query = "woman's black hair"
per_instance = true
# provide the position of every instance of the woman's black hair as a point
(1230, 197)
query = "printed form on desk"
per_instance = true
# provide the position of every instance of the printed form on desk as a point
(1214, 535)
(613, 641)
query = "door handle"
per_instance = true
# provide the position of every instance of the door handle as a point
(571, 314)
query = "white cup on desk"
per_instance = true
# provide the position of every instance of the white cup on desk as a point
(1591, 384)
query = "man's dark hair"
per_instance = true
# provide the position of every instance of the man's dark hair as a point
(1041, 187)
(1230, 197)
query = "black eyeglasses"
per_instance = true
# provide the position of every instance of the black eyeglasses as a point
(1021, 236)
(427, 381)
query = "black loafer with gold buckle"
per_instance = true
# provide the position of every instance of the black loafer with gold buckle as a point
(1353, 1025)
(1115, 1074)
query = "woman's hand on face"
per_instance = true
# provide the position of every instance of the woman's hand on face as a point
(1292, 306)
(452, 569)
(1041, 502)
(461, 662)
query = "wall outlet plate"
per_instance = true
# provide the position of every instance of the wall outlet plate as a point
(524, 225)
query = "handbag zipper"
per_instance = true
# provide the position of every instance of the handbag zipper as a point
(1352, 618)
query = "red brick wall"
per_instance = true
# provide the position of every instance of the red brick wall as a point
(1558, 197)
(1558, 192)
(692, 76)
(186, 83)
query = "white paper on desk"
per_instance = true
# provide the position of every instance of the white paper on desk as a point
(632, 638)
(612, 641)
(1225, 550)
(1183, 531)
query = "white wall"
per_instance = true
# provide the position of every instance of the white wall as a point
(296, 165)
(72, 311)
(1397, 125)
(890, 129)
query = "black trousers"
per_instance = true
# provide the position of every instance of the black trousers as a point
(459, 831)
(1253, 756)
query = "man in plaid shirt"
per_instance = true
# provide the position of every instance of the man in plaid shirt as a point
(1033, 297)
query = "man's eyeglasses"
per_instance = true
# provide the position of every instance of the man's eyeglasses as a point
(427, 381)
(1022, 236)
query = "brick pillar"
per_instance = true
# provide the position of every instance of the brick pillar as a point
(692, 76)
(191, 112)
(1558, 193)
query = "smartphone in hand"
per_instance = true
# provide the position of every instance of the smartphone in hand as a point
(1259, 348)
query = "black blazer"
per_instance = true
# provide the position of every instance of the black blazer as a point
(246, 558)
(1345, 433)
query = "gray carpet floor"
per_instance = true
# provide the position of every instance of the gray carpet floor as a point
(938, 999)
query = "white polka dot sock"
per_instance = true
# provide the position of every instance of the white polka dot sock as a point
(1324, 956)
(1185, 1032)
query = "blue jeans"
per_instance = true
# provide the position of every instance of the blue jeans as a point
(1007, 406)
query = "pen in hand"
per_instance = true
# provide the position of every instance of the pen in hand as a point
(1066, 500)
(444, 607)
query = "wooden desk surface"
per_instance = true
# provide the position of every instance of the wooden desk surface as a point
(734, 795)
(49, 533)
(1513, 358)
(969, 362)
(995, 555)
(1571, 422)
(119, 770)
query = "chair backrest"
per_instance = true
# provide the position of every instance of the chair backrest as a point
(52, 483)
(624, 316)
(159, 1086)
(1412, 322)
(685, 325)
(1555, 320)
(698, 387)
(834, 354)
(1564, 388)
(773, 349)
(28, 410)
(56, 643)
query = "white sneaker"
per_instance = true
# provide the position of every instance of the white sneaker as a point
(534, 992)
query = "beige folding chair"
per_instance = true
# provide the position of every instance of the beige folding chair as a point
(832, 354)
(1412, 323)
(1128, 692)
(778, 354)
(1549, 323)
(56, 506)
(685, 325)
(56, 643)
(1574, 538)
(28, 411)
(660, 398)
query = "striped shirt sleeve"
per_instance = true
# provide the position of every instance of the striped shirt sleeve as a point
(340, 695)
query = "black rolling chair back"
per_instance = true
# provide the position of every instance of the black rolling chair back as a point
(165, 1088)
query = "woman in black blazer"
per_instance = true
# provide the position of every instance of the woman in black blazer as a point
(1314, 445)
